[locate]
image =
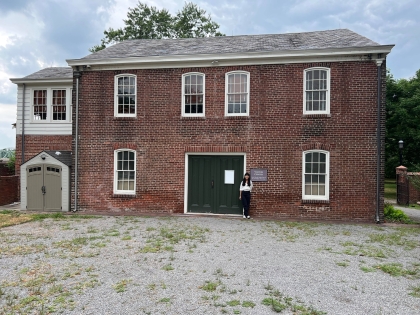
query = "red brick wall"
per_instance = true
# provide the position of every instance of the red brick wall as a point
(9, 189)
(273, 137)
(35, 144)
(4, 170)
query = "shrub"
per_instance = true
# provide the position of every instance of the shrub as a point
(395, 215)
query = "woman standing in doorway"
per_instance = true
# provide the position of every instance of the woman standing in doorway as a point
(245, 194)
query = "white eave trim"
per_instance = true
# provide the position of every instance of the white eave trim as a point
(289, 56)
(36, 81)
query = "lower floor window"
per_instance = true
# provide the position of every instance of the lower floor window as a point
(125, 172)
(315, 175)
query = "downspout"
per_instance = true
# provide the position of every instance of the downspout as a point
(76, 152)
(23, 125)
(378, 137)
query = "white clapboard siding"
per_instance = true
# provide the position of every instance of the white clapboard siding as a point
(42, 127)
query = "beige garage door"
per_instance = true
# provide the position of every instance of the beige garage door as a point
(44, 187)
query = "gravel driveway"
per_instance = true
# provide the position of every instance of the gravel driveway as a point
(207, 265)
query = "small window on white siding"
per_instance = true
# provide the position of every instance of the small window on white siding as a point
(193, 94)
(316, 96)
(315, 175)
(125, 172)
(237, 93)
(51, 105)
(125, 96)
(59, 105)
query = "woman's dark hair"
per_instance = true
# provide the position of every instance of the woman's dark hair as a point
(244, 180)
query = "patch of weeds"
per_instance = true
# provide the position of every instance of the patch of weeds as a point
(112, 232)
(210, 286)
(236, 312)
(151, 286)
(415, 291)
(394, 239)
(168, 267)
(92, 229)
(126, 238)
(233, 303)
(367, 269)
(9, 218)
(165, 300)
(43, 216)
(342, 263)
(121, 286)
(278, 302)
(248, 304)
(396, 270)
(366, 250)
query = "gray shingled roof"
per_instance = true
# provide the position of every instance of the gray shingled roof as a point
(64, 156)
(52, 73)
(341, 38)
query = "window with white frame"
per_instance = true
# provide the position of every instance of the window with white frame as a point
(315, 177)
(125, 96)
(316, 91)
(51, 105)
(237, 93)
(125, 172)
(40, 105)
(193, 96)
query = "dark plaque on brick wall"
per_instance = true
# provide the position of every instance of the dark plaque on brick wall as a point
(259, 174)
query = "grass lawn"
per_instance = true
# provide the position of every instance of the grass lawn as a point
(390, 189)
(8, 218)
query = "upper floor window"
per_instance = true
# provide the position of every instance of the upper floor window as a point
(193, 87)
(315, 175)
(51, 105)
(237, 93)
(125, 96)
(125, 171)
(40, 105)
(316, 91)
(59, 108)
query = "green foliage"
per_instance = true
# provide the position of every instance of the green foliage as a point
(12, 161)
(402, 123)
(395, 215)
(144, 22)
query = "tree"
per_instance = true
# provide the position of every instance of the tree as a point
(12, 161)
(402, 123)
(144, 22)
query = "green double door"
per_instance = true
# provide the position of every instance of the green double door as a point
(213, 184)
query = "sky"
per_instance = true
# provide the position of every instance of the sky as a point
(36, 34)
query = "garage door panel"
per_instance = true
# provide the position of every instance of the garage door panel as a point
(35, 197)
(52, 183)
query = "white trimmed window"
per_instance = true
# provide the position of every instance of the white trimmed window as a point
(193, 95)
(316, 98)
(315, 175)
(237, 93)
(125, 96)
(125, 172)
(51, 105)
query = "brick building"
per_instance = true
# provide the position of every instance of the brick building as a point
(171, 126)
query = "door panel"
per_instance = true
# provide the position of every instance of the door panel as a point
(52, 183)
(207, 191)
(200, 191)
(35, 181)
(228, 200)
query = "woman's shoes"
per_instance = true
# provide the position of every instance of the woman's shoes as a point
(248, 217)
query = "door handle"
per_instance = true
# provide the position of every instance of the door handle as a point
(43, 190)
(212, 183)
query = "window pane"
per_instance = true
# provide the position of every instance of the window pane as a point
(307, 167)
(315, 156)
(315, 190)
(199, 109)
(187, 109)
(120, 175)
(193, 79)
(308, 157)
(307, 179)
(131, 80)
(187, 80)
(322, 168)
(237, 108)
(321, 190)
(315, 168)
(309, 75)
(314, 179)
(230, 108)
(307, 189)
(316, 74)
(243, 108)
(200, 79)
(322, 179)
(131, 186)
(322, 157)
